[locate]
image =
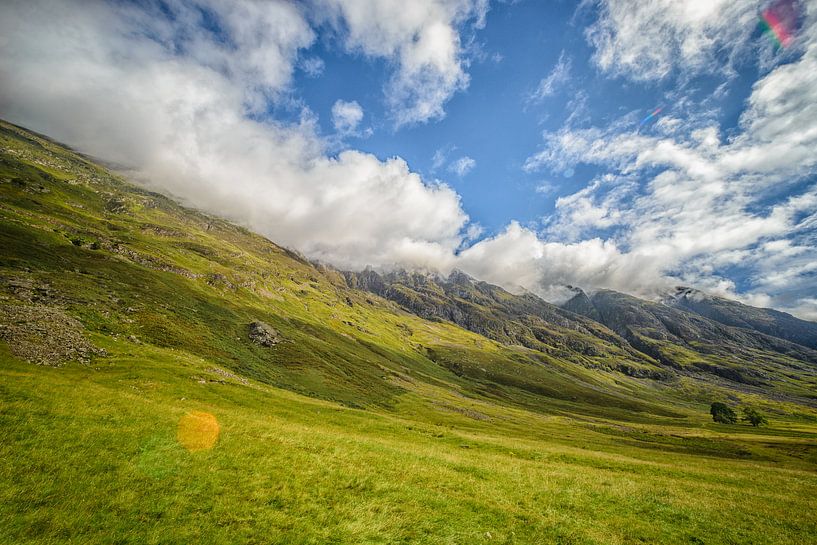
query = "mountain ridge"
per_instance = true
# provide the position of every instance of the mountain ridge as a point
(325, 316)
(730, 312)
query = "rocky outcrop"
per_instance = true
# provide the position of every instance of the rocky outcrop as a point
(580, 304)
(45, 335)
(263, 334)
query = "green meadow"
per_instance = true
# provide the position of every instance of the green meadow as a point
(134, 408)
(91, 455)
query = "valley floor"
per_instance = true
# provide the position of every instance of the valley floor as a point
(96, 454)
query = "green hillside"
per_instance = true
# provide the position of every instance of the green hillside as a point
(140, 404)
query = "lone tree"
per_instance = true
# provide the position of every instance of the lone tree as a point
(723, 413)
(754, 417)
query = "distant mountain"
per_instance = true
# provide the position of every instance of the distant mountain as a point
(685, 340)
(726, 311)
(489, 310)
(608, 325)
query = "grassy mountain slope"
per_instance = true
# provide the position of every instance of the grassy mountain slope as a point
(510, 319)
(690, 343)
(123, 315)
(765, 320)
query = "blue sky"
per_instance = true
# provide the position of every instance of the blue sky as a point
(501, 138)
(493, 122)
(498, 121)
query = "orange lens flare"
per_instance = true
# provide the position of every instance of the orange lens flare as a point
(198, 431)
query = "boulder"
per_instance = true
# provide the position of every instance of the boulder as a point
(263, 334)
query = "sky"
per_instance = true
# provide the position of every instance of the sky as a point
(632, 145)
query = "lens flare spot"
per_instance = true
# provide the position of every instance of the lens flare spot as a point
(198, 431)
(650, 117)
(780, 21)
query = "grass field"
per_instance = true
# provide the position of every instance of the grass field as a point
(154, 419)
(93, 455)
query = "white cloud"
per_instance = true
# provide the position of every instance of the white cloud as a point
(517, 257)
(462, 166)
(172, 104)
(546, 187)
(558, 76)
(346, 116)
(439, 158)
(313, 66)
(806, 308)
(420, 37)
(648, 40)
(686, 203)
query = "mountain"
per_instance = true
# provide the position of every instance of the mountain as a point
(126, 262)
(687, 341)
(639, 337)
(581, 304)
(764, 320)
(87, 259)
(511, 319)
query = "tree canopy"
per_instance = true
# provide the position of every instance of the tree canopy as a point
(754, 417)
(723, 413)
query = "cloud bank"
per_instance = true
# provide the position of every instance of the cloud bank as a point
(162, 92)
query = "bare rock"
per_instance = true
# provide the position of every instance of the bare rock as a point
(263, 334)
(45, 335)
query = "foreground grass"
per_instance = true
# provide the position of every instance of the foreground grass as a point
(92, 455)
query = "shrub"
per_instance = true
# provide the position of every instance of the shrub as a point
(723, 413)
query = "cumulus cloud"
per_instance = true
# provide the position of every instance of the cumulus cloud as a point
(420, 37)
(518, 257)
(462, 166)
(346, 116)
(159, 92)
